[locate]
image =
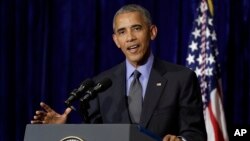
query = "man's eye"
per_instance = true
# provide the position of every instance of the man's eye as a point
(121, 32)
(137, 28)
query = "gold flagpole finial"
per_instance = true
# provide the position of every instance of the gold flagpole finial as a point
(211, 7)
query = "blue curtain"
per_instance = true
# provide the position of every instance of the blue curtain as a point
(47, 47)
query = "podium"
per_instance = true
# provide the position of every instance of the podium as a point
(87, 132)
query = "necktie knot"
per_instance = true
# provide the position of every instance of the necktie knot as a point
(136, 74)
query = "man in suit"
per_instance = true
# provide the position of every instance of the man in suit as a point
(171, 105)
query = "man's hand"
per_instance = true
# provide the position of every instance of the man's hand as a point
(49, 116)
(171, 138)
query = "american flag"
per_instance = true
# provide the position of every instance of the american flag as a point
(202, 57)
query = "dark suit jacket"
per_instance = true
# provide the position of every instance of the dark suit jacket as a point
(172, 103)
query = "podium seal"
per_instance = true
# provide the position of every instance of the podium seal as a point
(72, 138)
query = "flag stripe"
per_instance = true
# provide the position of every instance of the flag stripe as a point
(216, 127)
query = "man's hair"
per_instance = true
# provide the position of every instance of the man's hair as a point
(134, 8)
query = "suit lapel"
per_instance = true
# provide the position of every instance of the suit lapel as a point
(120, 94)
(154, 90)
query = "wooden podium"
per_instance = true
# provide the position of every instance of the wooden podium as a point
(88, 132)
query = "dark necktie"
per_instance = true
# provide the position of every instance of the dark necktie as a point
(135, 98)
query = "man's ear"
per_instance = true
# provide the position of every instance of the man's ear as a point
(116, 40)
(153, 32)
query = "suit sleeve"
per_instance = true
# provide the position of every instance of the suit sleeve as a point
(192, 126)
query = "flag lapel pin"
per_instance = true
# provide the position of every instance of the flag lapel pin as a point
(158, 84)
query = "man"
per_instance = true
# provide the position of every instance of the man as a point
(171, 101)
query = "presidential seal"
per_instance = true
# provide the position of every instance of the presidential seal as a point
(72, 138)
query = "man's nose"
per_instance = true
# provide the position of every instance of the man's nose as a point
(130, 37)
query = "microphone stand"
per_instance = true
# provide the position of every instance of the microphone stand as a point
(84, 106)
(83, 109)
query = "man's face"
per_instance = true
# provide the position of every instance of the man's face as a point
(132, 35)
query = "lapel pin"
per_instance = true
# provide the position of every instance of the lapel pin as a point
(158, 84)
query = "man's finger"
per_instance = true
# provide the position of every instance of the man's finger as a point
(35, 122)
(67, 111)
(171, 138)
(41, 113)
(46, 107)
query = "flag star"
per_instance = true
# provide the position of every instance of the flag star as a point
(203, 85)
(208, 32)
(209, 71)
(210, 21)
(206, 59)
(211, 59)
(203, 19)
(207, 45)
(190, 59)
(214, 36)
(199, 59)
(193, 46)
(198, 71)
(203, 6)
(204, 99)
(216, 51)
(196, 33)
(199, 20)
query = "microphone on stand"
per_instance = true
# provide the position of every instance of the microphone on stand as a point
(79, 92)
(99, 87)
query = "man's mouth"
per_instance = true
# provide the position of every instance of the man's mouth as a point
(133, 49)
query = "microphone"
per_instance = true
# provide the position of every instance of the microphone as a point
(99, 87)
(77, 93)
